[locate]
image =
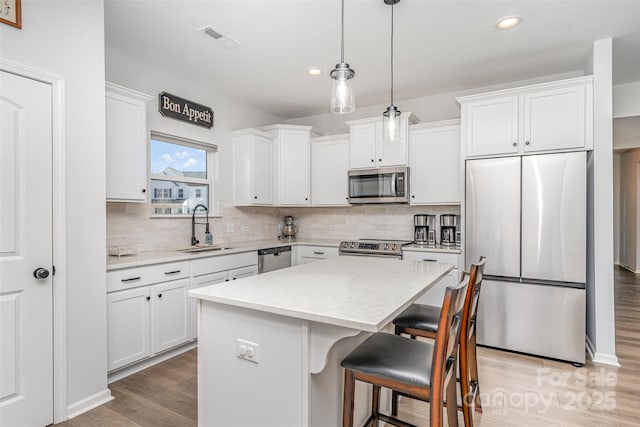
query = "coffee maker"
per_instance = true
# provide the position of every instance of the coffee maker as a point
(425, 229)
(288, 229)
(448, 229)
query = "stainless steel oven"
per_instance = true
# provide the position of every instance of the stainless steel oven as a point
(383, 185)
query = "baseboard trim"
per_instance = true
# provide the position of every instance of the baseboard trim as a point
(88, 403)
(601, 358)
(628, 267)
(147, 363)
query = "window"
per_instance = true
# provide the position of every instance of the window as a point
(181, 174)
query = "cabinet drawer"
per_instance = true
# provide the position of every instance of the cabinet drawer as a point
(224, 262)
(431, 256)
(141, 276)
(320, 252)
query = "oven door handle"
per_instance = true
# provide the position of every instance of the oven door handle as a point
(394, 184)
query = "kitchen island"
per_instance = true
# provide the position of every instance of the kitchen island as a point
(269, 346)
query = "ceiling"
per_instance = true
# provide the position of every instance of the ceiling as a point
(440, 46)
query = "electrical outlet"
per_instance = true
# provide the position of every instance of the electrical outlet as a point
(244, 228)
(247, 350)
(231, 227)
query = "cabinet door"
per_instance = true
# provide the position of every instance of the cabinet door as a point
(199, 282)
(129, 326)
(239, 273)
(435, 165)
(170, 320)
(294, 169)
(126, 147)
(362, 145)
(262, 173)
(491, 126)
(554, 119)
(435, 294)
(392, 153)
(329, 166)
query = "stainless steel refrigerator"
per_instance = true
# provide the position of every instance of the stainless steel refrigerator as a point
(527, 215)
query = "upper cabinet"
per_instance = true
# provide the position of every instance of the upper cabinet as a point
(126, 133)
(368, 150)
(329, 166)
(292, 164)
(252, 168)
(435, 163)
(553, 116)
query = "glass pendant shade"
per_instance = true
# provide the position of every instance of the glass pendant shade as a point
(391, 124)
(342, 92)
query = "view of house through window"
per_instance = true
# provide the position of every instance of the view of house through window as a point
(181, 174)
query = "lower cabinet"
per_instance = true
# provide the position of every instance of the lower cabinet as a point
(146, 320)
(307, 254)
(435, 294)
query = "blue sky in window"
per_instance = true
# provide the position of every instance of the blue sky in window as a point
(180, 157)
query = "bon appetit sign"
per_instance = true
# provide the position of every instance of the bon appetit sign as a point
(182, 109)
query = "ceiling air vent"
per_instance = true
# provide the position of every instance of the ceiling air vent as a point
(220, 37)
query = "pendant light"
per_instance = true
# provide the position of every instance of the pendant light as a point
(342, 93)
(391, 117)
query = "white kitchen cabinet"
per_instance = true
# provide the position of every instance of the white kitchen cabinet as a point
(435, 295)
(129, 337)
(170, 315)
(253, 161)
(435, 163)
(307, 253)
(547, 117)
(147, 311)
(216, 270)
(292, 164)
(126, 144)
(329, 167)
(367, 148)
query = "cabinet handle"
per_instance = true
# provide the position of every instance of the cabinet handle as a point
(144, 190)
(148, 298)
(430, 260)
(131, 279)
(226, 280)
(379, 160)
(318, 253)
(172, 272)
(515, 144)
(159, 295)
(527, 143)
(234, 278)
(413, 196)
(255, 197)
(372, 160)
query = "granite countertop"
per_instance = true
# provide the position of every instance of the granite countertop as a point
(342, 291)
(432, 248)
(162, 256)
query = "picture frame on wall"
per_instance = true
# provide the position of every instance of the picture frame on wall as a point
(11, 13)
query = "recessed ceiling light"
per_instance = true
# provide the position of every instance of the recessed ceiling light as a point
(508, 22)
(314, 72)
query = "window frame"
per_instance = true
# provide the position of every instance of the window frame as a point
(212, 172)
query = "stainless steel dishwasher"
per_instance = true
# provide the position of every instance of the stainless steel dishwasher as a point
(274, 259)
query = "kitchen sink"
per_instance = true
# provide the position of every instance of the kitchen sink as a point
(198, 249)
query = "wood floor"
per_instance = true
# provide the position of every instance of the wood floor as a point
(517, 390)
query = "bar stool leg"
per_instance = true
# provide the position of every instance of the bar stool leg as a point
(452, 401)
(473, 368)
(347, 404)
(375, 405)
(465, 385)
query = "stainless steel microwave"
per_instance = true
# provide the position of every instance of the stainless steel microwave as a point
(383, 185)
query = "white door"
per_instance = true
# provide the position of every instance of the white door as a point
(329, 166)
(26, 309)
(262, 164)
(170, 320)
(294, 168)
(392, 153)
(491, 126)
(362, 145)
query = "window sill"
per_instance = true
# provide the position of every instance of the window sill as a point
(182, 216)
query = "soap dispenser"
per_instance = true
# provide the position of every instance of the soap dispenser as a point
(208, 238)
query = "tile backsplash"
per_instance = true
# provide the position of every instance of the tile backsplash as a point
(129, 224)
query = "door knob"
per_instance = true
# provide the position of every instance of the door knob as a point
(40, 273)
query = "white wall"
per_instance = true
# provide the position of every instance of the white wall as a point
(626, 133)
(67, 38)
(616, 207)
(629, 210)
(626, 100)
(600, 285)
(427, 109)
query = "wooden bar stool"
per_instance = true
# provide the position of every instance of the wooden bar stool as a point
(421, 370)
(422, 320)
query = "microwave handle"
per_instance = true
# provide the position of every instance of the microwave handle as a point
(394, 185)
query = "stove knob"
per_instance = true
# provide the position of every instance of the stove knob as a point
(386, 246)
(345, 244)
(353, 244)
(393, 247)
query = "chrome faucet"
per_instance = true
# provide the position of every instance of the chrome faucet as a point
(195, 241)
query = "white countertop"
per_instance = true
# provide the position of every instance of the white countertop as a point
(159, 257)
(363, 293)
